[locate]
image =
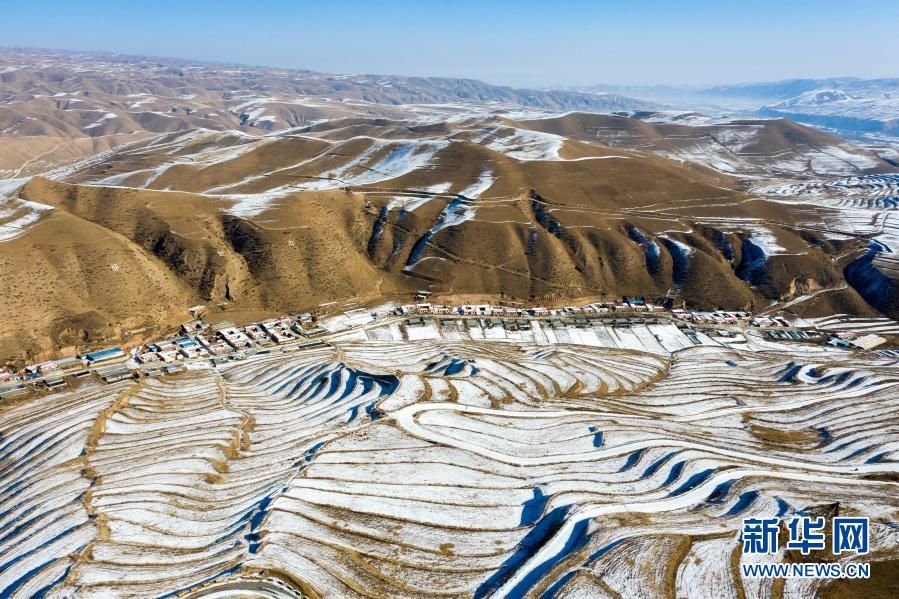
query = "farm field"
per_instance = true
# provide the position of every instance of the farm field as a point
(435, 461)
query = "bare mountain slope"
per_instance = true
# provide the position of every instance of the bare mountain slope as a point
(372, 208)
(261, 190)
(62, 96)
(747, 148)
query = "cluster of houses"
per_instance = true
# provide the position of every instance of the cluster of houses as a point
(790, 335)
(769, 322)
(225, 340)
(197, 340)
(50, 374)
(477, 310)
(859, 341)
(108, 364)
(713, 318)
(200, 340)
(171, 350)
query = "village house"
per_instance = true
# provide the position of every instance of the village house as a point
(481, 310)
(407, 309)
(148, 357)
(766, 321)
(255, 332)
(216, 347)
(636, 304)
(282, 336)
(236, 338)
(259, 334)
(869, 341)
(278, 331)
(173, 344)
(271, 325)
(112, 373)
(192, 327)
(170, 355)
(41, 368)
(194, 351)
(103, 355)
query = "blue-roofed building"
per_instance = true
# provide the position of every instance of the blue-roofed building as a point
(102, 355)
(173, 344)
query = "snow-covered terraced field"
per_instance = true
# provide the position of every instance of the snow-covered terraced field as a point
(861, 207)
(475, 461)
(843, 322)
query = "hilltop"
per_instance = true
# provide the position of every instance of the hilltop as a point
(58, 106)
(369, 198)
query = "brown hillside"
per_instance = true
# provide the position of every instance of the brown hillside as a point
(371, 208)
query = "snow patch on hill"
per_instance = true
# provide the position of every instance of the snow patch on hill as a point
(410, 202)
(17, 215)
(523, 145)
(99, 122)
(463, 208)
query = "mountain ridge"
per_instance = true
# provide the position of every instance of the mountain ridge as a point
(280, 201)
(377, 208)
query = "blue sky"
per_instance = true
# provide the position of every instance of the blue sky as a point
(516, 43)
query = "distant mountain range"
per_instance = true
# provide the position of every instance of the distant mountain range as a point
(849, 105)
(184, 89)
(28, 73)
(790, 88)
(61, 106)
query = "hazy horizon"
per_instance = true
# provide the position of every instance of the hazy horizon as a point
(523, 44)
